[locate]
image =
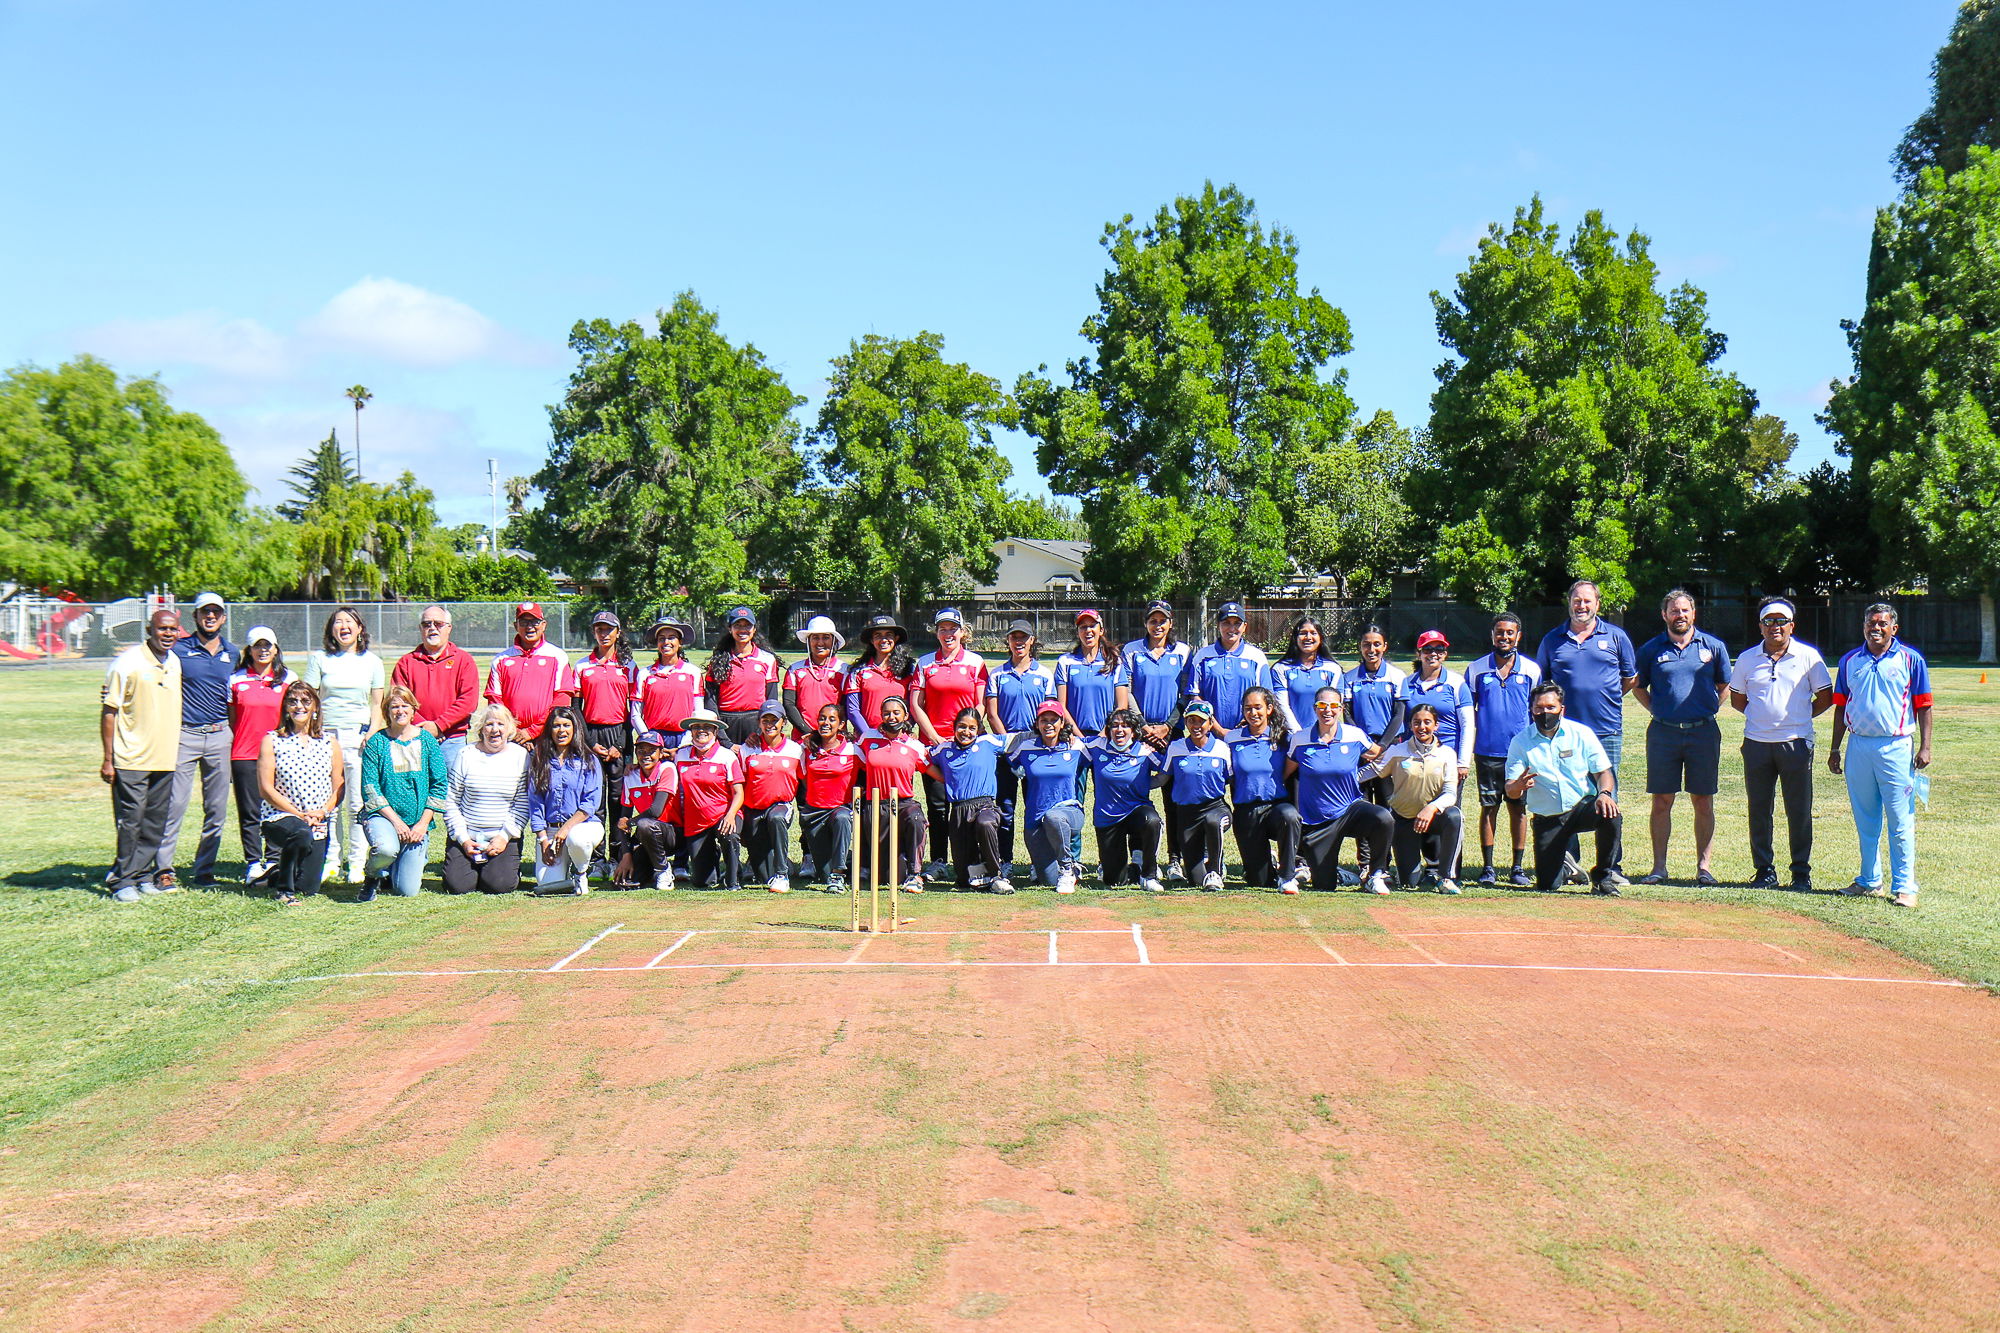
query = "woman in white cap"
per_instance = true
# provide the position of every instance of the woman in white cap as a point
(742, 675)
(1195, 772)
(711, 779)
(818, 679)
(255, 692)
(773, 768)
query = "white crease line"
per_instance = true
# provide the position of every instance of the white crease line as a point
(1139, 943)
(671, 947)
(1420, 950)
(587, 944)
(1786, 952)
(842, 930)
(854, 957)
(1053, 957)
(1580, 935)
(1324, 946)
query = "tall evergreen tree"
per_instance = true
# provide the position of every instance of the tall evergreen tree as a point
(1965, 96)
(325, 470)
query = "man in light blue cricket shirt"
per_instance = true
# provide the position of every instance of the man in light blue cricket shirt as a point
(207, 661)
(1593, 661)
(1220, 672)
(1881, 694)
(1682, 675)
(1561, 769)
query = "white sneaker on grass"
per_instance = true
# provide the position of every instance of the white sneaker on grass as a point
(1174, 870)
(779, 884)
(1376, 883)
(1211, 882)
(1292, 883)
(581, 883)
(1152, 886)
(1066, 882)
(664, 880)
(1448, 885)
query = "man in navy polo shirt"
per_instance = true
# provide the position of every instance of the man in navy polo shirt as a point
(207, 661)
(1594, 663)
(1221, 671)
(1682, 674)
(1500, 684)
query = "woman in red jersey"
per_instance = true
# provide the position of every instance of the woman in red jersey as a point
(883, 671)
(742, 675)
(826, 813)
(773, 768)
(891, 762)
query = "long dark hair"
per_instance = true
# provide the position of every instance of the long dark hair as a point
(1108, 646)
(1292, 649)
(717, 669)
(332, 645)
(1280, 733)
(621, 649)
(899, 664)
(545, 746)
(247, 663)
(815, 744)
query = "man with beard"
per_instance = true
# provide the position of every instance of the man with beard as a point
(1560, 768)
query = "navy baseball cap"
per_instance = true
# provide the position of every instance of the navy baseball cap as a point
(1157, 605)
(737, 613)
(1228, 609)
(654, 739)
(948, 613)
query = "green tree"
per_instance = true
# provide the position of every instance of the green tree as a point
(1351, 521)
(507, 579)
(257, 558)
(1207, 371)
(382, 540)
(1838, 550)
(106, 488)
(1582, 429)
(323, 470)
(807, 547)
(1917, 414)
(669, 455)
(1965, 96)
(1041, 518)
(359, 395)
(906, 442)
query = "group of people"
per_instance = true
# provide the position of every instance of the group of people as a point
(649, 774)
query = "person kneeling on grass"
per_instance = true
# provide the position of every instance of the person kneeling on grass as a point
(567, 790)
(1264, 813)
(1423, 799)
(486, 807)
(968, 766)
(1195, 772)
(1123, 812)
(890, 764)
(1325, 763)
(649, 794)
(1562, 770)
(403, 782)
(826, 811)
(773, 768)
(300, 772)
(711, 777)
(1048, 760)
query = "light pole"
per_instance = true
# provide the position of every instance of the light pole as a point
(359, 396)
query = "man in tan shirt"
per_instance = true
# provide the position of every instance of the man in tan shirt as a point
(141, 729)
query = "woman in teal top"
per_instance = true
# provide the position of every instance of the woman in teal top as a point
(403, 779)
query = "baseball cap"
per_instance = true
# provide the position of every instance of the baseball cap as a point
(1431, 636)
(1228, 609)
(771, 708)
(822, 625)
(1198, 708)
(737, 613)
(948, 614)
(208, 599)
(1026, 627)
(532, 610)
(261, 634)
(1049, 707)
(1089, 613)
(607, 618)
(652, 738)
(1158, 605)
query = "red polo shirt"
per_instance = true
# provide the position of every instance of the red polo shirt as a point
(893, 765)
(706, 780)
(446, 686)
(605, 689)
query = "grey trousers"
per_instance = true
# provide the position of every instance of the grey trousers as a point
(203, 753)
(139, 801)
(1766, 765)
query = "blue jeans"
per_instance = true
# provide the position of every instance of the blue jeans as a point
(451, 747)
(1879, 771)
(1050, 841)
(403, 860)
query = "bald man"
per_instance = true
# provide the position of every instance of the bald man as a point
(140, 726)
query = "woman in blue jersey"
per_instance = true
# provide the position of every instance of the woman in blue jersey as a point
(1324, 764)
(1156, 672)
(1303, 672)
(1090, 679)
(1372, 696)
(1196, 776)
(1015, 689)
(1049, 762)
(968, 765)
(1124, 815)
(1264, 813)
(1432, 682)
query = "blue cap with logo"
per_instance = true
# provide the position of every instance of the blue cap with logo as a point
(1159, 604)
(1228, 609)
(947, 614)
(737, 613)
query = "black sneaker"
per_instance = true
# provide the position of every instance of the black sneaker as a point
(1606, 889)
(369, 889)
(1801, 883)
(1488, 877)
(1764, 879)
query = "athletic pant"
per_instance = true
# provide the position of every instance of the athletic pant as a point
(974, 829)
(249, 805)
(1880, 773)
(1139, 830)
(828, 837)
(300, 855)
(344, 827)
(650, 843)
(1171, 820)
(1767, 764)
(766, 835)
(937, 815)
(618, 735)
(1201, 838)
(907, 813)
(711, 850)
(494, 874)
(205, 754)
(1365, 822)
(1052, 838)
(1010, 790)
(741, 727)
(1552, 834)
(140, 802)
(1258, 825)
(1439, 844)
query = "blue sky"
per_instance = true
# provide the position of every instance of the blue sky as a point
(266, 203)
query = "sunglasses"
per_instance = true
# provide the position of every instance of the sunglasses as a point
(433, 624)
(1433, 649)
(1775, 620)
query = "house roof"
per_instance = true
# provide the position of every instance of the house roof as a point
(1073, 552)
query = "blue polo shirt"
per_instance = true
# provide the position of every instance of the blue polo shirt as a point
(1048, 777)
(205, 681)
(1499, 702)
(1372, 696)
(1256, 767)
(1092, 689)
(1296, 685)
(1592, 672)
(1879, 696)
(1328, 781)
(1197, 776)
(1124, 779)
(1158, 683)
(1019, 693)
(970, 770)
(1447, 694)
(1222, 677)
(1686, 683)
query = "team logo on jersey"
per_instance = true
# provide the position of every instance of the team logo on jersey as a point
(1706, 657)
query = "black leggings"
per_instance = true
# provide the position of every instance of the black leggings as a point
(249, 804)
(1138, 830)
(828, 835)
(937, 815)
(1368, 824)
(1201, 838)
(974, 829)
(617, 735)
(496, 874)
(766, 841)
(1440, 843)
(651, 844)
(1258, 825)
(908, 812)
(708, 847)
(300, 855)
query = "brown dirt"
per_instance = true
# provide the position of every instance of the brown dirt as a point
(1034, 1148)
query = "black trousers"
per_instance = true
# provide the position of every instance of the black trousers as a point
(937, 814)
(650, 844)
(300, 856)
(741, 727)
(1116, 842)
(1201, 838)
(711, 851)
(1010, 790)
(974, 829)
(141, 800)
(766, 839)
(1259, 824)
(828, 837)
(1552, 834)
(1440, 843)
(1365, 822)
(617, 735)
(908, 814)
(1766, 766)
(249, 804)
(496, 874)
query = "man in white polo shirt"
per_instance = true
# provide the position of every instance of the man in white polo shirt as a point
(1779, 685)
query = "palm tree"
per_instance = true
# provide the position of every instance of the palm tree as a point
(359, 396)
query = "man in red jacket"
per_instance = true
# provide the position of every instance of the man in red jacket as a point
(444, 678)
(533, 676)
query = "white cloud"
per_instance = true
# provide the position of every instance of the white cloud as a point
(208, 339)
(414, 327)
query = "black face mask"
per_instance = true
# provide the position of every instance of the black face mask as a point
(894, 728)
(1548, 722)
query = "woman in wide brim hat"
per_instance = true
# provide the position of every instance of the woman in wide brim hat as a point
(883, 671)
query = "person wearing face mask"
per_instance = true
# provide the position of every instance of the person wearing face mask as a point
(1779, 684)
(1881, 696)
(967, 764)
(1683, 674)
(1500, 683)
(1123, 814)
(1560, 769)
(444, 679)
(1422, 772)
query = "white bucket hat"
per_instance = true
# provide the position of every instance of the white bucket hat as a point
(823, 625)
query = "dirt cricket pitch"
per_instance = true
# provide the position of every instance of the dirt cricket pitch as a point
(661, 1111)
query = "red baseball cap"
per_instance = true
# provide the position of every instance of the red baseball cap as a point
(1089, 613)
(1051, 707)
(532, 609)
(1429, 637)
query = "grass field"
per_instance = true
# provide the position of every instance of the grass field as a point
(1499, 1111)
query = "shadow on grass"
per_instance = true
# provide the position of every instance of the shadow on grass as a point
(90, 880)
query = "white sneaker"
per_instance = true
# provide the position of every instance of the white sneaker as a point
(1448, 885)
(664, 880)
(1291, 883)
(1175, 870)
(914, 884)
(1376, 883)
(1152, 886)
(581, 883)
(1066, 882)
(1211, 881)
(779, 884)
(357, 875)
